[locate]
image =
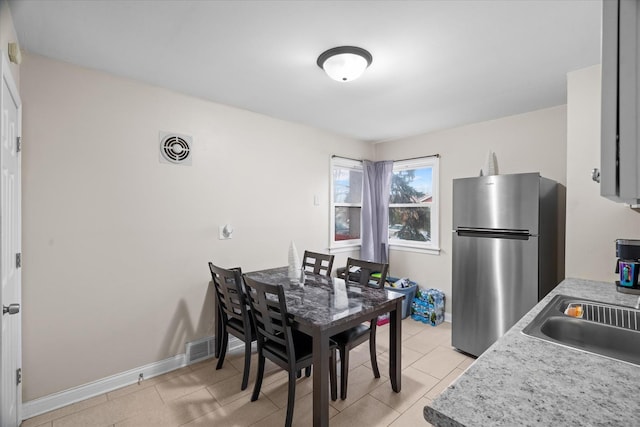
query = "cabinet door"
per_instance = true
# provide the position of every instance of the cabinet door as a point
(629, 96)
(620, 144)
(609, 130)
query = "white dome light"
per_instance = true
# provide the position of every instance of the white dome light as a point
(344, 63)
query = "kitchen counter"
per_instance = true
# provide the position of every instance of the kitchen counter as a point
(525, 381)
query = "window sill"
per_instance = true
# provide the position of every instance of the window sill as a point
(430, 251)
(343, 249)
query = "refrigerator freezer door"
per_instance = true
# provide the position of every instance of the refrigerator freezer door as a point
(495, 282)
(507, 202)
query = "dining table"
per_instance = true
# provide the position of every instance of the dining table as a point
(321, 307)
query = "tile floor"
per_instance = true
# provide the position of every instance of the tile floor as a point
(198, 395)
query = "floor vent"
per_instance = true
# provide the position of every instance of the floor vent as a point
(200, 350)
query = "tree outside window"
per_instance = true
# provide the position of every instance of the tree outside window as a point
(412, 203)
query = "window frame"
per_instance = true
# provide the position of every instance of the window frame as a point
(433, 246)
(350, 244)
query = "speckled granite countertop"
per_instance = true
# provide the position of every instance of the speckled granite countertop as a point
(524, 381)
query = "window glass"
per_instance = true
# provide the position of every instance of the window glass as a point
(413, 204)
(346, 202)
(410, 223)
(411, 185)
(347, 185)
(347, 220)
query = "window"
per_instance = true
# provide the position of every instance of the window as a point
(413, 205)
(346, 202)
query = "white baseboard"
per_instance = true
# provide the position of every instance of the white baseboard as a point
(63, 398)
(67, 397)
(447, 317)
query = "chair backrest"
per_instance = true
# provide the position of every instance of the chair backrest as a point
(269, 311)
(366, 270)
(231, 297)
(317, 263)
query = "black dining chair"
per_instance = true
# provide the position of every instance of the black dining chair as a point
(288, 348)
(317, 263)
(235, 316)
(361, 272)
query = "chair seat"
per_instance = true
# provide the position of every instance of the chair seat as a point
(352, 335)
(237, 326)
(302, 343)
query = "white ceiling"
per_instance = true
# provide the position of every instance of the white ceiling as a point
(436, 64)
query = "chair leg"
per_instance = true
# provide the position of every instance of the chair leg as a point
(291, 398)
(332, 375)
(219, 327)
(374, 357)
(259, 375)
(307, 371)
(223, 349)
(247, 364)
(344, 372)
(299, 373)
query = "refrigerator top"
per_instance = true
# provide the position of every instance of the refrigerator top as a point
(509, 176)
(507, 202)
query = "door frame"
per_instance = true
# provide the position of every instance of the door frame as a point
(7, 76)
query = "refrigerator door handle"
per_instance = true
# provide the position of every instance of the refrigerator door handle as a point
(494, 233)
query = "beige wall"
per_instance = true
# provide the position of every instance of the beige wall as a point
(116, 244)
(8, 35)
(593, 222)
(531, 142)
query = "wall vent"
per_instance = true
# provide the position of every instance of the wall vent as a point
(200, 350)
(175, 148)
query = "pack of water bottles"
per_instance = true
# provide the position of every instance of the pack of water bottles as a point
(428, 306)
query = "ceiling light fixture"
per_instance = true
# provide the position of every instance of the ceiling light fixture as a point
(344, 63)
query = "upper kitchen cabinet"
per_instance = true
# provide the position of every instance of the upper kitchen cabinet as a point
(620, 146)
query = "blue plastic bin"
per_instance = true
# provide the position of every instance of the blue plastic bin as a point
(409, 293)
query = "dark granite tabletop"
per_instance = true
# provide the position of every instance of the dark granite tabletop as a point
(322, 301)
(525, 381)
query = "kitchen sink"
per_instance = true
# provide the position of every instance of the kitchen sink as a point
(605, 329)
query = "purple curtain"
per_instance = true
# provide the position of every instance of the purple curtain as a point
(375, 210)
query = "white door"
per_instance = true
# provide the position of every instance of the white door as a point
(10, 248)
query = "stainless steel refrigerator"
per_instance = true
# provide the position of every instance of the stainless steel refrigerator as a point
(505, 254)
